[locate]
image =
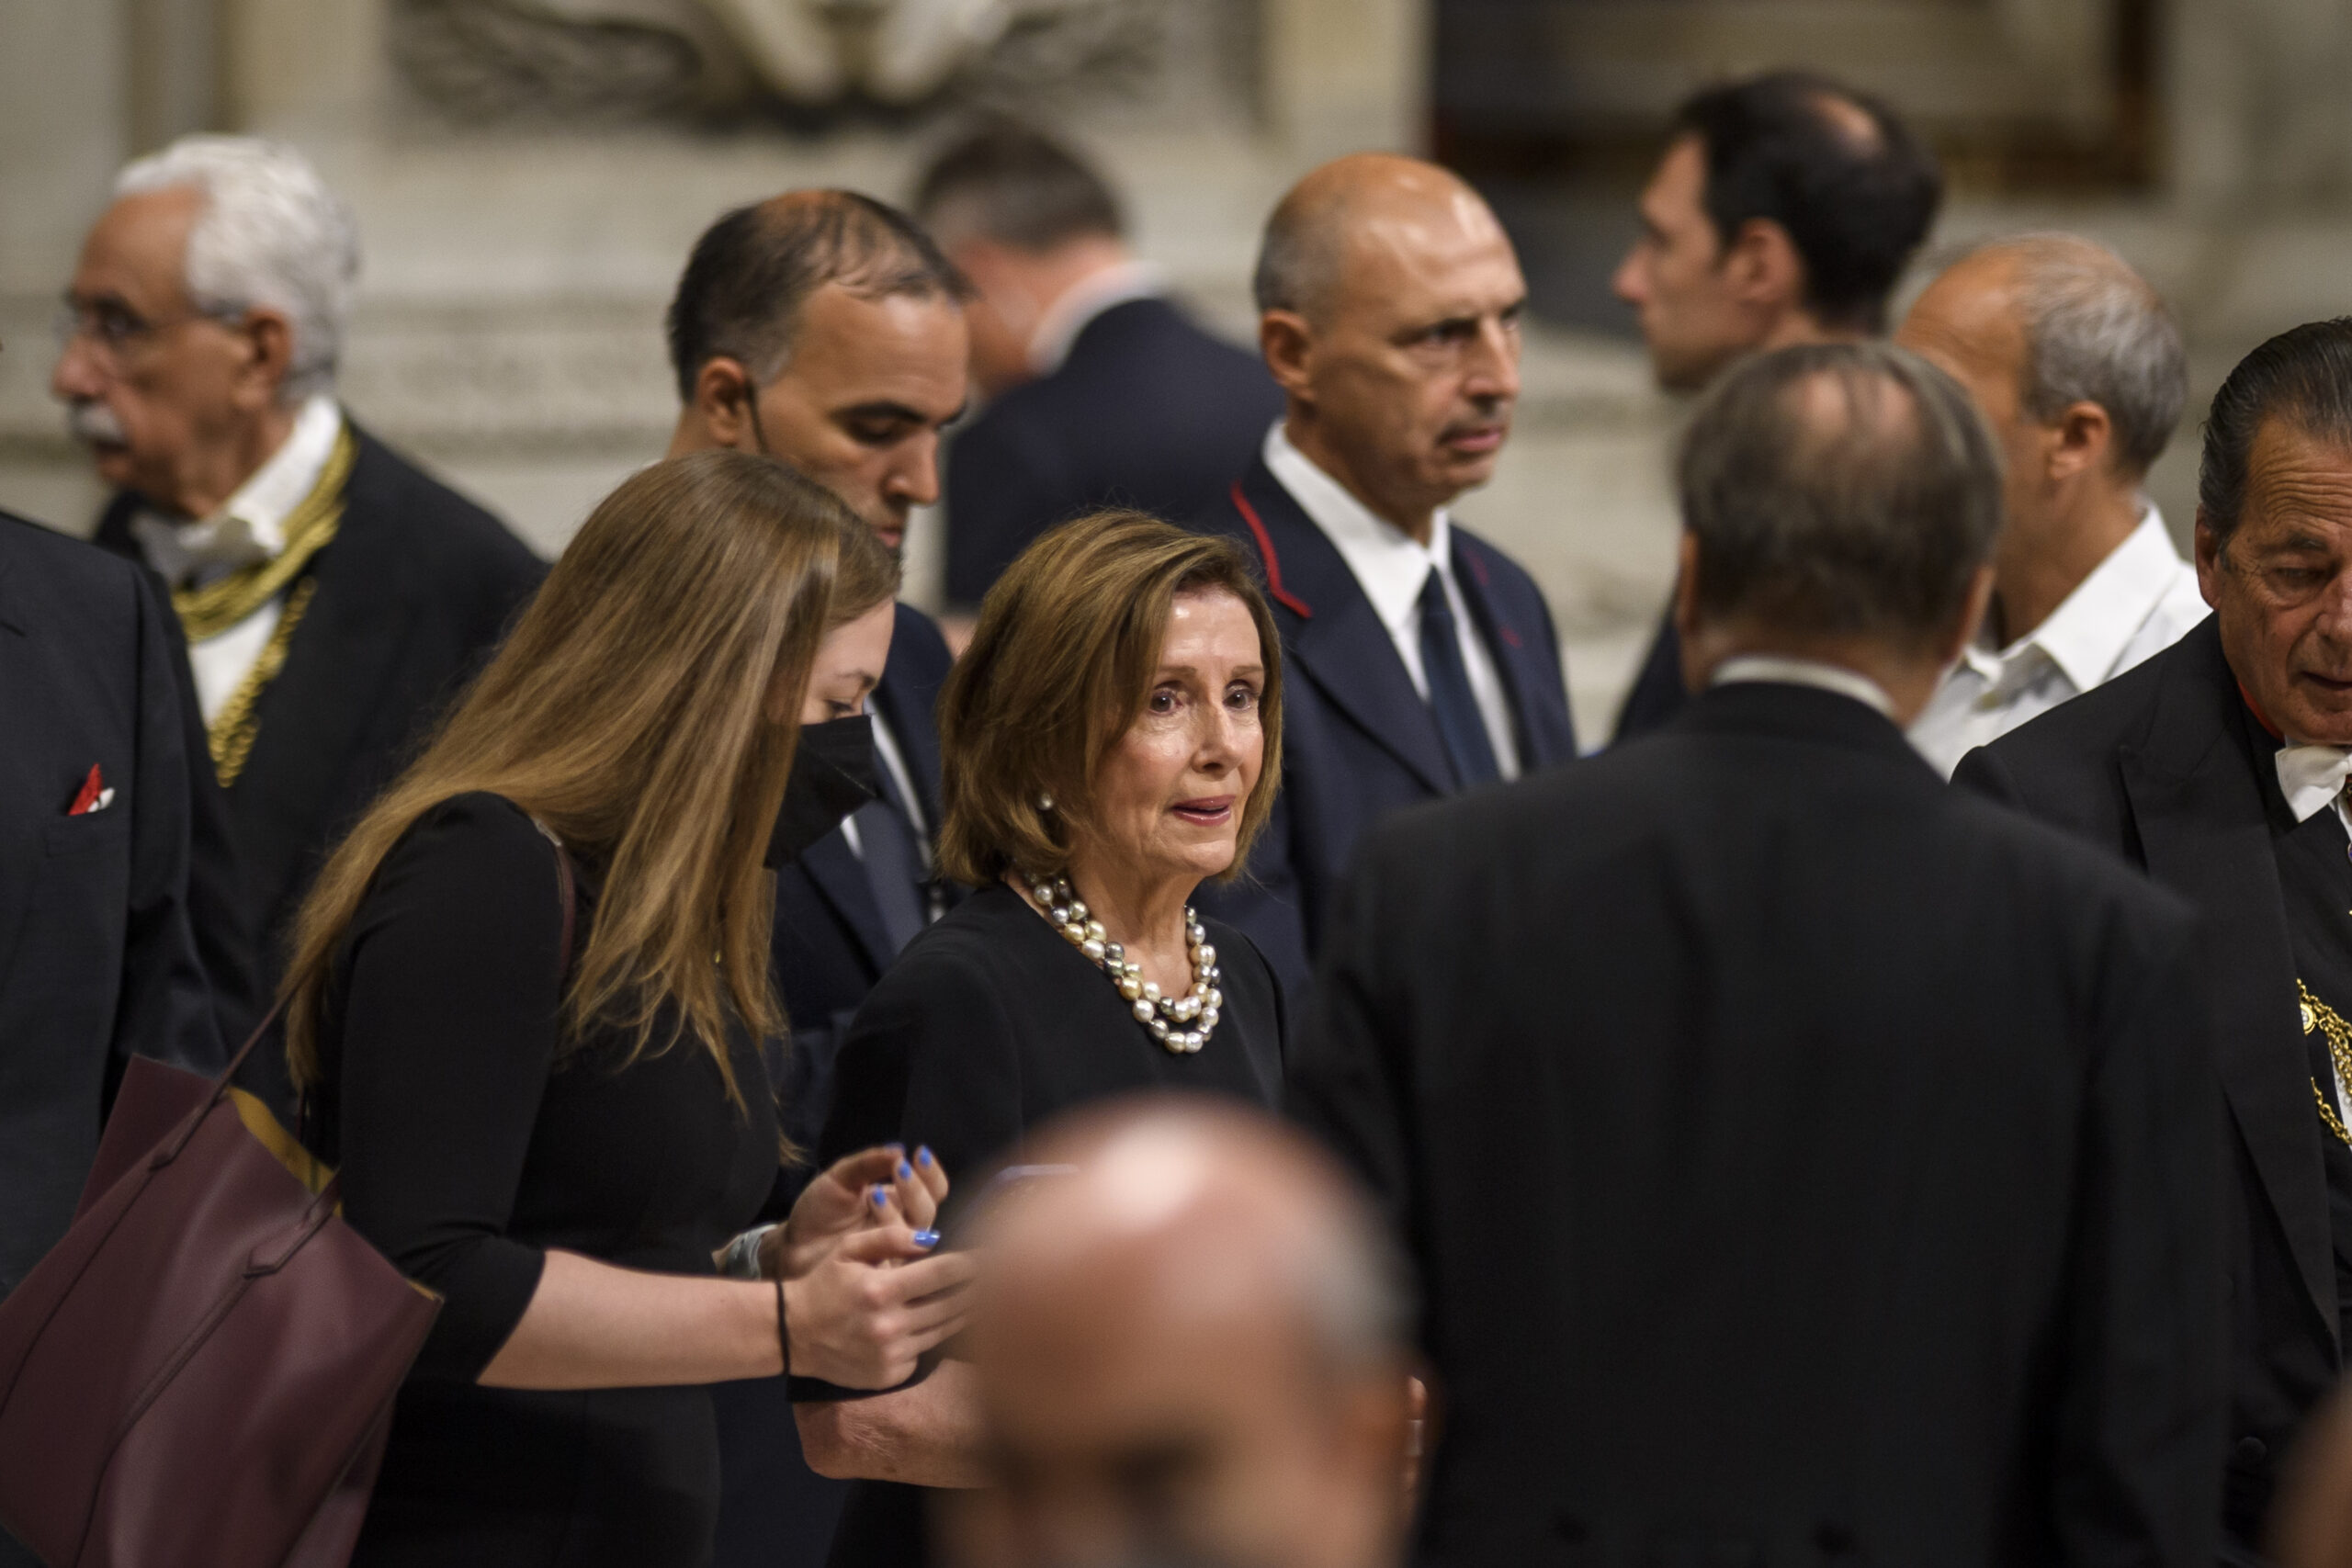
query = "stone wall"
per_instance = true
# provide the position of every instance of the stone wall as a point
(508, 324)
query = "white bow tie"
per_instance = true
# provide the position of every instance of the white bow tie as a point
(2310, 777)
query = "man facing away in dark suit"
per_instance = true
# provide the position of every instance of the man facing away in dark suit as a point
(1805, 1162)
(825, 329)
(334, 597)
(1783, 212)
(1419, 660)
(99, 957)
(1103, 393)
(2218, 767)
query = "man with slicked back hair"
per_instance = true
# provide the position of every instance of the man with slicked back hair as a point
(2218, 768)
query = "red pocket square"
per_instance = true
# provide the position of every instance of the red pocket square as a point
(94, 795)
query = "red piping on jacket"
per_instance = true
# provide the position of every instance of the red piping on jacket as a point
(1281, 596)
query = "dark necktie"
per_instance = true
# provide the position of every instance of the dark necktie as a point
(1451, 703)
(893, 864)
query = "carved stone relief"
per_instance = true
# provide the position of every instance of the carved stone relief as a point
(808, 59)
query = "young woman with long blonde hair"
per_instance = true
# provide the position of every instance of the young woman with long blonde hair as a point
(560, 1135)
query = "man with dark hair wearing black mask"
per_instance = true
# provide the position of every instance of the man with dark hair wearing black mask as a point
(1784, 211)
(825, 329)
(2218, 767)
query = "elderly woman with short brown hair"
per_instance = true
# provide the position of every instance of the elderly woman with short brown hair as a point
(1112, 739)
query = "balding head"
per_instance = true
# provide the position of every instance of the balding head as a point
(1190, 1348)
(1363, 199)
(1838, 492)
(1389, 302)
(2070, 322)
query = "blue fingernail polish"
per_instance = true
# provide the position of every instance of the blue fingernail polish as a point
(926, 1239)
(880, 1197)
(906, 1171)
(922, 1154)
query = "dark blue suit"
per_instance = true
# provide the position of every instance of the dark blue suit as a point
(1148, 411)
(1358, 741)
(830, 946)
(99, 956)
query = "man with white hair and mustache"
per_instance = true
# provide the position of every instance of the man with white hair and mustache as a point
(332, 593)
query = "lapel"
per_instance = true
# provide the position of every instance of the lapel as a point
(1539, 707)
(12, 615)
(906, 698)
(2198, 805)
(349, 646)
(839, 877)
(1333, 636)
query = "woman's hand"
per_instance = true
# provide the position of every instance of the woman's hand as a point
(877, 1187)
(872, 1304)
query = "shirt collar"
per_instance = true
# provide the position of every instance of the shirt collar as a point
(1388, 564)
(250, 527)
(1074, 310)
(2089, 631)
(1790, 671)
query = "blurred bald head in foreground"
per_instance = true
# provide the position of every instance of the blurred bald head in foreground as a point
(1389, 302)
(1190, 1352)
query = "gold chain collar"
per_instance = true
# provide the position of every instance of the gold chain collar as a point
(2318, 1015)
(209, 611)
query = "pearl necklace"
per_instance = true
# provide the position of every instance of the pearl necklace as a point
(1181, 1023)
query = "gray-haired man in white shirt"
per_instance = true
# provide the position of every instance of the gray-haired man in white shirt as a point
(2077, 366)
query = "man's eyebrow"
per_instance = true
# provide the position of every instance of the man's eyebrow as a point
(886, 408)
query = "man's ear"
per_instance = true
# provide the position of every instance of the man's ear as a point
(2085, 437)
(266, 340)
(2208, 545)
(1697, 661)
(722, 405)
(1763, 269)
(1288, 344)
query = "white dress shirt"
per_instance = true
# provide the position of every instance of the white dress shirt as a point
(2138, 602)
(249, 528)
(1392, 567)
(1060, 323)
(1787, 669)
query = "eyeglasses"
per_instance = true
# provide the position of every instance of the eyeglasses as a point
(113, 330)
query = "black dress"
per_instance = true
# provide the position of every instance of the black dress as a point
(989, 1024)
(466, 1149)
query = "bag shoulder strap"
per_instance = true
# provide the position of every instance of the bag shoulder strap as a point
(567, 889)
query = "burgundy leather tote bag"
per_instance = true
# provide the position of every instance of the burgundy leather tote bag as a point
(201, 1373)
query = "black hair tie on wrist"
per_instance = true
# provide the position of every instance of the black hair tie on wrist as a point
(783, 1337)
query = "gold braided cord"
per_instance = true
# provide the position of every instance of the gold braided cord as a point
(232, 732)
(209, 611)
(2318, 1015)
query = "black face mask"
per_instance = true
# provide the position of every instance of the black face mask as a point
(833, 775)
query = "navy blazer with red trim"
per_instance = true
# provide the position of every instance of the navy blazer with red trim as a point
(1358, 740)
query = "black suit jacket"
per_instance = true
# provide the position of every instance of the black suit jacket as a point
(2151, 767)
(412, 596)
(1806, 1163)
(1358, 741)
(1148, 411)
(98, 956)
(1657, 693)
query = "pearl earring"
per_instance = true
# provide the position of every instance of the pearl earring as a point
(1044, 803)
